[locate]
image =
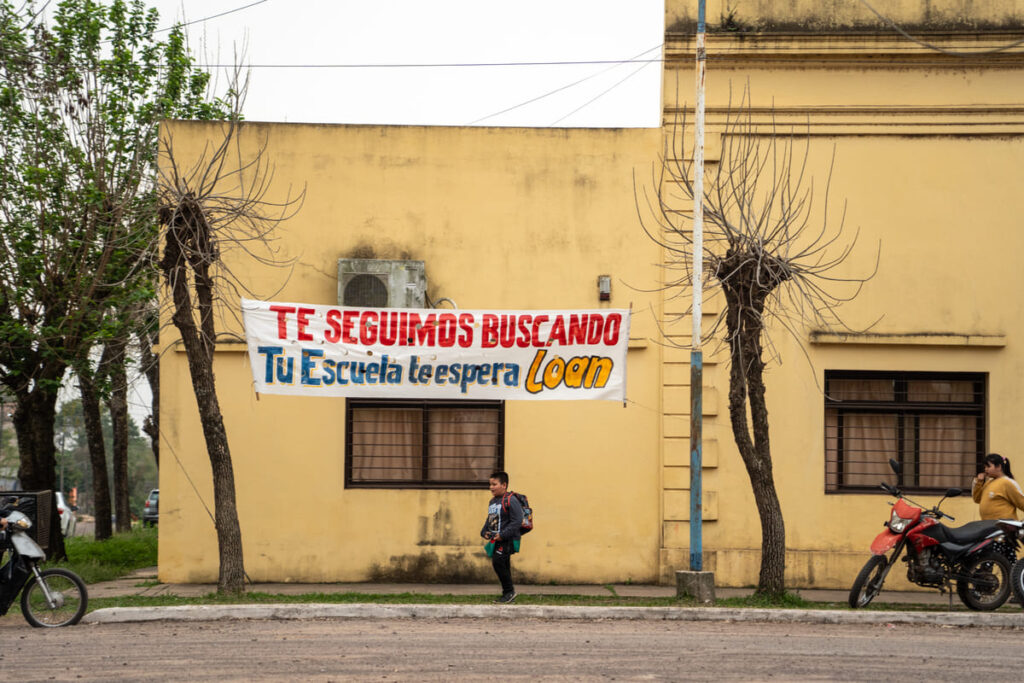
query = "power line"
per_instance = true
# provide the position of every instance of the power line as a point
(437, 65)
(930, 46)
(558, 90)
(212, 16)
(602, 94)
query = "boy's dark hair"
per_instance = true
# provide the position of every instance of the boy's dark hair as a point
(502, 477)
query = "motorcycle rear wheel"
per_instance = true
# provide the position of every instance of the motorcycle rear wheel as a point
(1017, 580)
(986, 585)
(66, 588)
(868, 583)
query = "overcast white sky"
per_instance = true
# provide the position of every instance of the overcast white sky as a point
(308, 34)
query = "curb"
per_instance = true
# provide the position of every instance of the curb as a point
(121, 615)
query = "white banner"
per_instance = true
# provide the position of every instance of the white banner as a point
(309, 350)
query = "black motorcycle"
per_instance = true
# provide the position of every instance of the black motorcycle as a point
(49, 597)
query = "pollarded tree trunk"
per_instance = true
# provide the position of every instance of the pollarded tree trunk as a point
(97, 454)
(188, 247)
(117, 404)
(745, 300)
(33, 420)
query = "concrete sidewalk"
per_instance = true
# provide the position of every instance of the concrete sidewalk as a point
(142, 582)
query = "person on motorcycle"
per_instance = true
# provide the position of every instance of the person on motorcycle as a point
(997, 494)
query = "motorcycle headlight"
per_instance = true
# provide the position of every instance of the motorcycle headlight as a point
(19, 520)
(898, 524)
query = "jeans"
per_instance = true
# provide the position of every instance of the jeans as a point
(501, 560)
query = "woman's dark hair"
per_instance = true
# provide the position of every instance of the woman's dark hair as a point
(1001, 462)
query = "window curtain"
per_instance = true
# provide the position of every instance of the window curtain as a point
(868, 440)
(947, 443)
(387, 444)
(463, 444)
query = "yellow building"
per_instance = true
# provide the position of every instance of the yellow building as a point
(928, 138)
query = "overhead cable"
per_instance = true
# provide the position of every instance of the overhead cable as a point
(931, 46)
(558, 90)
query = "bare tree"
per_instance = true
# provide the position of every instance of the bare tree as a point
(774, 257)
(210, 205)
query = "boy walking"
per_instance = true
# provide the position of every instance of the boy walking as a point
(504, 519)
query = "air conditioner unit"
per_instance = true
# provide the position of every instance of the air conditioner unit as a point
(379, 283)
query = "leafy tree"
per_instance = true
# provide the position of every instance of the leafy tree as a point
(81, 96)
(75, 454)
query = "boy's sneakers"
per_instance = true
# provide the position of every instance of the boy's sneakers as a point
(507, 598)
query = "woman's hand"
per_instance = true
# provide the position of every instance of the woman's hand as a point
(981, 477)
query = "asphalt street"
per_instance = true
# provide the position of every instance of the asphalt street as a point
(502, 648)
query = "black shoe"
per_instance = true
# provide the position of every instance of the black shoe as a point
(507, 598)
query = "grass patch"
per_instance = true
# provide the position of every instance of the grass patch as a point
(118, 555)
(786, 601)
(765, 600)
(255, 598)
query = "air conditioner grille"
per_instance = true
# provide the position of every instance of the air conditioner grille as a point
(366, 290)
(380, 283)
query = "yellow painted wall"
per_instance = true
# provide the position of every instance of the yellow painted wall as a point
(503, 218)
(928, 151)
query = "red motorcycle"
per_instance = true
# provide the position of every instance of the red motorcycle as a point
(937, 555)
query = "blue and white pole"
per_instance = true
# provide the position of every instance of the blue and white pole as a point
(696, 354)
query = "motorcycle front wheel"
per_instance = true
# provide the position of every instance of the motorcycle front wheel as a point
(868, 583)
(69, 599)
(986, 582)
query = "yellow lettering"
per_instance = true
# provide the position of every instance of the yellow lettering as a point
(598, 372)
(574, 372)
(532, 385)
(554, 373)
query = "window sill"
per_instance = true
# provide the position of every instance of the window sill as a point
(910, 339)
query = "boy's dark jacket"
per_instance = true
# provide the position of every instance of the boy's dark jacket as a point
(505, 521)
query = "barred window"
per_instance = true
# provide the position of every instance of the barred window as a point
(423, 444)
(933, 424)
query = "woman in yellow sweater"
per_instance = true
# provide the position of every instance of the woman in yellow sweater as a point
(997, 494)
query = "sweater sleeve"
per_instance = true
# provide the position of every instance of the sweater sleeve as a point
(1014, 494)
(511, 530)
(976, 490)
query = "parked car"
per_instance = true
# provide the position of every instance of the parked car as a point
(67, 515)
(151, 510)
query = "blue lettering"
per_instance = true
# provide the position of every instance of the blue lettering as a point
(357, 371)
(270, 352)
(308, 365)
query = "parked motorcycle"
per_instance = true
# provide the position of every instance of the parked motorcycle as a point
(1014, 531)
(49, 597)
(937, 555)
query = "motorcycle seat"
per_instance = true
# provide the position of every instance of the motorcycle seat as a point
(970, 532)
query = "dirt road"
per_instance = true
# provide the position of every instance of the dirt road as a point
(519, 649)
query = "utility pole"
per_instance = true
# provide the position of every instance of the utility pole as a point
(696, 353)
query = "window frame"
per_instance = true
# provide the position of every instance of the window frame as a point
(901, 408)
(352, 404)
